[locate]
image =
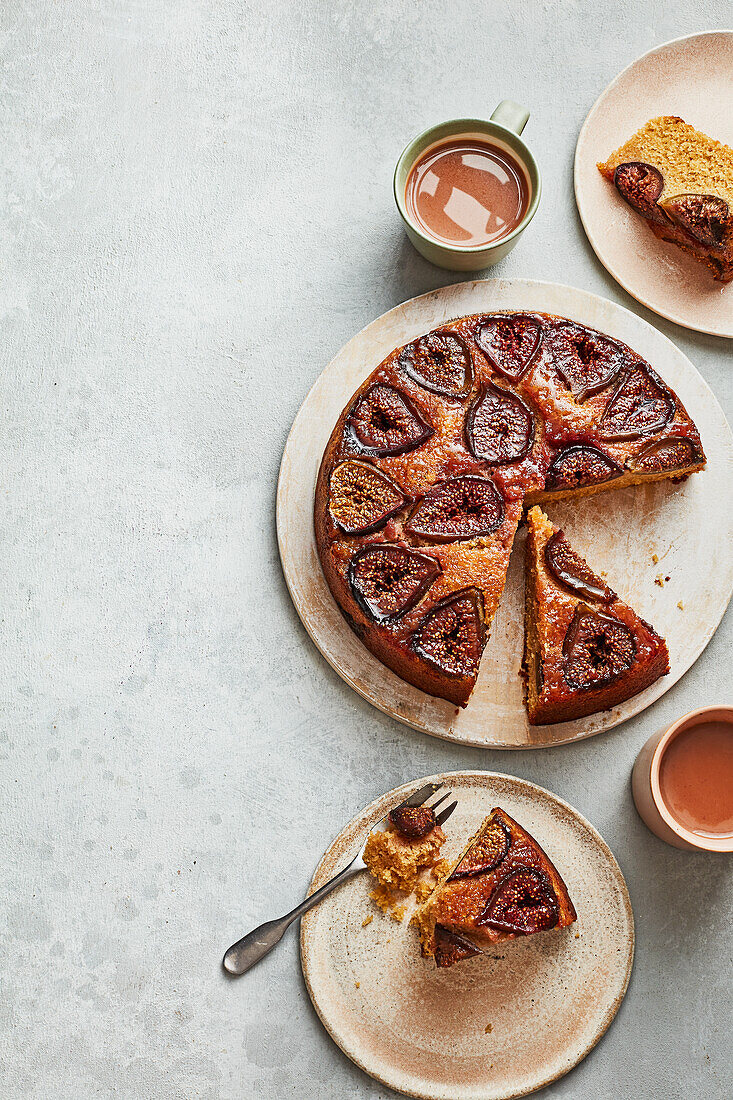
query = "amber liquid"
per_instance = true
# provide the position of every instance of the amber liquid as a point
(466, 191)
(696, 779)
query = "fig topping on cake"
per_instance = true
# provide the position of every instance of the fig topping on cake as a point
(451, 948)
(586, 361)
(676, 452)
(510, 343)
(384, 422)
(485, 854)
(440, 362)
(499, 426)
(461, 508)
(413, 822)
(578, 466)
(362, 498)
(705, 217)
(641, 405)
(597, 648)
(523, 903)
(641, 185)
(451, 636)
(569, 569)
(388, 580)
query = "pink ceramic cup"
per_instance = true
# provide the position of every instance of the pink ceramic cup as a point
(647, 795)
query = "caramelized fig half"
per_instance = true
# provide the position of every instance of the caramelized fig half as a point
(461, 508)
(676, 452)
(585, 360)
(384, 422)
(523, 903)
(440, 362)
(413, 822)
(510, 342)
(451, 948)
(641, 405)
(362, 498)
(499, 426)
(597, 649)
(580, 466)
(705, 217)
(486, 853)
(451, 636)
(641, 185)
(387, 580)
(569, 569)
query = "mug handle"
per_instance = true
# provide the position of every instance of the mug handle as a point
(510, 115)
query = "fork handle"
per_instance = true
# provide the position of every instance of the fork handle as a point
(243, 954)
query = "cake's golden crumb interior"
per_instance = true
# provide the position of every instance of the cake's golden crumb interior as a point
(402, 868)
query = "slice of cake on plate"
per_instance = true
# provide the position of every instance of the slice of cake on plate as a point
(681, 182)
(503, 885)
(585, 650)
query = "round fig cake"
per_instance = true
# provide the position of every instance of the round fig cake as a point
(430, 466)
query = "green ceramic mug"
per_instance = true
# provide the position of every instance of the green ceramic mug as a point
(503, 129)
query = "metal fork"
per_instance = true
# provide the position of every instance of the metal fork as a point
(243, 954)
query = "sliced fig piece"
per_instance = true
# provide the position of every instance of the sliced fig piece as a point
(486, 853)
(579, 466)
(676, 452)
(440, 362)
(451, 948)
(362, 498)
(451, 636)
(586, 361)
(499, 426)
(388, 580)
(384, 422)
(413, 822)
(460, 508)
(597, 649)
(705, 217)
(523, 903)
(569, 569)
(510, 342)
(641, 405)
(641, 185)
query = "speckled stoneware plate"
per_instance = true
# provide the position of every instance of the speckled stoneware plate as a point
(494, 1026)
(620, 532)
(690, 77)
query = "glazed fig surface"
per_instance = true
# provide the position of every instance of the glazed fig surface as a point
(499, 426)
(524, 902)
(585, 361)
(387, 579)
(705, 217)
(641, 405)
(440, 362)
(641, 185)
(384, 422)
(451, 636)
(596, 649)
(510, 343)
(484, 854)
(413, 822)
(460, 508)
(673, 453)
(569, 570)
(362, 498)
(578, 466)
(451, 948)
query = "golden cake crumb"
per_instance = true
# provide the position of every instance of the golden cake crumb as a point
(659, 579)
(681, 605)
(655, 558)
(488, 1029)
(358, 985)
(367, 920)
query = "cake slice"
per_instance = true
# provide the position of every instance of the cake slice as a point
(681, 182)
(585, 650)
(503, 885)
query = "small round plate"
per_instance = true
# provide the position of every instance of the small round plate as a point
(621, 533)
(491, 1027)
(689, 77)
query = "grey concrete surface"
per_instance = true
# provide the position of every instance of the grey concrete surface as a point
(196, 215)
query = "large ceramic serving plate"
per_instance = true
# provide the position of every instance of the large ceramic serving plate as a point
(492, 1027)
(687, 527)
(691, 77)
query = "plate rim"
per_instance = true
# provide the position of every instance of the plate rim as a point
(577, 185)
(402, 790)
(448, 735)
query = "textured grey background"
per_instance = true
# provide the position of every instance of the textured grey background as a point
(196, 215)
